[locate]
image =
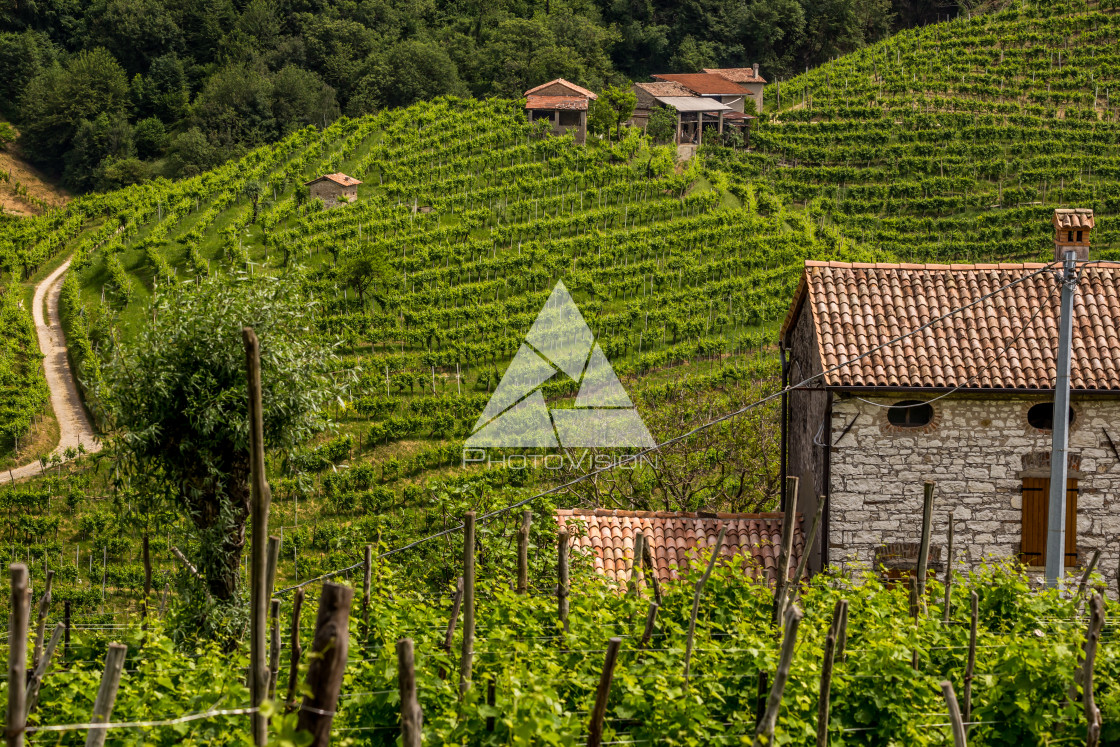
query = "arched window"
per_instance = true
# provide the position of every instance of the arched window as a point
(910, 413)
(1041, 416)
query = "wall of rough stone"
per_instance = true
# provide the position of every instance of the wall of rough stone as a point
(977, 450)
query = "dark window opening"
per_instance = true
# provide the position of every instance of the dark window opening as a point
(910, 413)
(1079, 236)
(1069, 236)
(569, 119)
(1041, 416)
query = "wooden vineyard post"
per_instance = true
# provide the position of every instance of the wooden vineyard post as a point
(696, 601)
(327, 662)
(760, 698)
(949, 572)
(826, 671)
(562, 577)
(17, 655)
(1081, 587)
(41, 668)
(655, 582)
(599, 711)
(636, 581)
(66, 622)
(651, 618)
(466, 659)
(44, 607)
(843, 639)
(788, 520)
(274, 648)
(970, 667)
(259, 590)
(367, 573)
(764, 735)
(523, 552)
(272, 560)
(1092, 638)
(449, 635)
(296, 649)
(960, 734)
(915, 612)
(803, 563)
(412, 718)
(923, 548)
(106, 693)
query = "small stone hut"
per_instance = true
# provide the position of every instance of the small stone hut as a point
(563, 104)
(333, 189)
(965, 403)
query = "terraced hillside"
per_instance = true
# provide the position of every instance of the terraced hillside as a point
(954, 142)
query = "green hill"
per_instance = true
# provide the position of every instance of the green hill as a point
(955, 141)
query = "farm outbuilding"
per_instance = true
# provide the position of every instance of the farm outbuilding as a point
(563, 104)
(747, 77)
(965, 403)
(694, 114)
(333, 189)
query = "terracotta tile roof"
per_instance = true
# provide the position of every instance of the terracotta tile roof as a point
(578, 90)
(1073, 218)
(338, 178)
(677, 537)
(706, 84)
(664, 88)
(573, 103)
(858, 306)
(736, 74)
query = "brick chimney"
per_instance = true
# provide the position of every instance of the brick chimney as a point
(1072, 227)
(755, 66)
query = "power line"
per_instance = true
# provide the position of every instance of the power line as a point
(702, 427)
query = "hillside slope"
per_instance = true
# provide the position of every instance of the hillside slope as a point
(955, 141)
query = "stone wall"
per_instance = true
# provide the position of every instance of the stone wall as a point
(977, 450)
(330, 192)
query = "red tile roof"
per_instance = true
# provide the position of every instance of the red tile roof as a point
(676, 539)
(338, 178)
(736, 74)
(664, 88)
(857, 306)
(706, 84)
(578, 90)
(573, 103)
(1073, 218)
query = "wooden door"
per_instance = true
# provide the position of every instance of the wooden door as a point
(1036, 514)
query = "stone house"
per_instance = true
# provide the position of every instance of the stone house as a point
(747, 77)
(333, 189)
(563, 104)
(965, 403)
(694, 114)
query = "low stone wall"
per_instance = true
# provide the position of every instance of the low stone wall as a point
(977, 450)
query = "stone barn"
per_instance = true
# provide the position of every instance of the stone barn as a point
(965, 402)
(333, 189)
(563, 104)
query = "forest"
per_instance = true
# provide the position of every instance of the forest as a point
(109, 93)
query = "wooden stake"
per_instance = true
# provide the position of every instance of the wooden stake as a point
(696, 601)
(327, 662)
(970, 667)
(66, 622)
(655, 582)
(1092, 713)
(272, 560)
(44, 607)
(651, 618)
(1088, 572)
(41, 669)
(760, 698)
(412, 718)
(523, 552)
(17, 655)
(923, 549)
(297, 650)
(106, 693)
(449, 636)
(960, 734)
(949, 572)
(595, 727)
(367, 573)
(803, 563)
(562, 576)
(466, 660)
(259, 589)
(635, 581)
(788, 520)
(274, 649)
(764, 735)
(826, 672)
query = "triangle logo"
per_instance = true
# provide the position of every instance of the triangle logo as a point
(560, 342)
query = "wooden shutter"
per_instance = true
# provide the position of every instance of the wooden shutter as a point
(1036, 512)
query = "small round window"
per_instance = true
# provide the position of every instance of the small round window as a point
(910, 413)
(1041, 416)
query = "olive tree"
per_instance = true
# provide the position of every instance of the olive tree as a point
(176, 402)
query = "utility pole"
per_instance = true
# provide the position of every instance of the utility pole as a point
(1056, 521)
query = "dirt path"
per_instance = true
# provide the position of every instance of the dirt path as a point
(73, 423)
